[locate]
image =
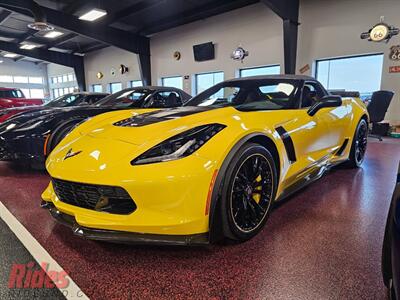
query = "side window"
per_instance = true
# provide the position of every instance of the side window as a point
(164, 100)
(312, 93)
(94, 99)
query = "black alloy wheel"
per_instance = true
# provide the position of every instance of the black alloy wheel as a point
(359, 145)
(361, 142)
(248, 191)
(251, 192)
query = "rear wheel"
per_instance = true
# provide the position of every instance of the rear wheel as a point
(248, 191)
(359, 145)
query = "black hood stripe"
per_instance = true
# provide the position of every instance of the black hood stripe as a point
(160, 116)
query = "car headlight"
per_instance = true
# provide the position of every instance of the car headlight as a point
(180, 145)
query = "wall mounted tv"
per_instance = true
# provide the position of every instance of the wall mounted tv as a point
(203, 52)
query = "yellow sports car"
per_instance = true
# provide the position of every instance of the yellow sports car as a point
(208, 171)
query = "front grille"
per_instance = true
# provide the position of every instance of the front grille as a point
(95, 197)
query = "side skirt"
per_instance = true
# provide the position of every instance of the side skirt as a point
(312, 174)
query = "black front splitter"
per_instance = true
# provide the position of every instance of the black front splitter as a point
(124, 237)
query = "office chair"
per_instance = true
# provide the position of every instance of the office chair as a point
(378, 107)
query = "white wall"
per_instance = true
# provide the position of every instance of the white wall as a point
(104, 60)
(333, 28)
(23, 68)
(255, 27)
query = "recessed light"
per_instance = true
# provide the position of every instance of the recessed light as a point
(28, 46)
(10, 55)
(53, 34)
(1, 61)
(93, 15)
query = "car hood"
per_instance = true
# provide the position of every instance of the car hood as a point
(138, 127)
(113, 139)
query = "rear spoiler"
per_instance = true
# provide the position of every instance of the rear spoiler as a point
(342, 93)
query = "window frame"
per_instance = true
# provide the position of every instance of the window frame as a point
(110, 86)
(169, 77)
(259, 67)
(317, 61)
(196, 89)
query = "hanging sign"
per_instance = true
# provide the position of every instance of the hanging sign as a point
(380, 32)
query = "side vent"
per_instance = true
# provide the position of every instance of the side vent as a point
(342, 148)
(288, 143)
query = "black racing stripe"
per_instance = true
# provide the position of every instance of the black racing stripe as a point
(288, 143)
(160, 116)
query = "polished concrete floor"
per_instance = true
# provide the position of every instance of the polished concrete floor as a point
(323, 243)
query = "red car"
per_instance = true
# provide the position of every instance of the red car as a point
(10, 97)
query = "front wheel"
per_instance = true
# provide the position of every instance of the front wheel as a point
(248, 191)
(359, 145)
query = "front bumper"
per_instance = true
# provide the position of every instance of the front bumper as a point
(25, 148)
(121, 236)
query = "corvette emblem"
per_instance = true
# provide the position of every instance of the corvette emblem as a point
(71, 154)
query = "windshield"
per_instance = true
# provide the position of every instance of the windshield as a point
(11, 94)
(66, 100)
(254, 94)
(126, 98)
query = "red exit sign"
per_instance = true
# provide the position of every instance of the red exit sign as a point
(394, 69)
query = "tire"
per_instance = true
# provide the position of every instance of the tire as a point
(387, 252)
(60, 133)
(358, 145)
(248, 190)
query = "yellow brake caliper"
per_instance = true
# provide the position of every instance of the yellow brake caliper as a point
(257, 197)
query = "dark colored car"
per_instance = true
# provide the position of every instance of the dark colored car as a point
(391, 246)
(67, 100)
(29, 137)
(10, 97)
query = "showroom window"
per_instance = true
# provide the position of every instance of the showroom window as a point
(36, 93)
(176, 82)
(258, 71)
(97, 88)
(135, 83)
(26, 93)
(207, 80)
(115, 87)
(20, 79)
(357, 73)
(6, 78)
(35, 80)
(55, 93)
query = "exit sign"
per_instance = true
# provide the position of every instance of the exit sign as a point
(394, 69)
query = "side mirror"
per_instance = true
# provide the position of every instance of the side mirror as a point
(327, 101)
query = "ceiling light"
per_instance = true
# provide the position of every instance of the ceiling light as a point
(93, 15)
(1, 61)
(40, 26)
(10, 55)
(53, 34)
(28, 46)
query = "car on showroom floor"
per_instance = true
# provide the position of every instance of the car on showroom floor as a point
(67, 100)
(12, 97)
(207, 171)
(28, 138)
